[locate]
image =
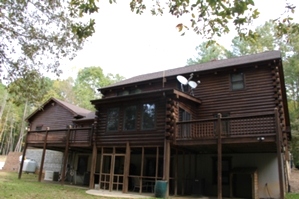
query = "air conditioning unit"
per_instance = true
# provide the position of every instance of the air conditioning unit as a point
(49, 175)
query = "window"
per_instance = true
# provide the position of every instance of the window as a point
(130, 118)
(121, 93)
(148, 116)
(112, 119)
(39, 127)
(237, 81)
(185, 128)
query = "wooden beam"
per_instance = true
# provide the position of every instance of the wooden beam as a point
(166, 165)
(219, 131)
(112, 170)
(279, 159)
(176, 173)
(101, 168)
(43, 156)
(66, 153)
(93, 165)
(127, 168)
(23, 157)
(141, 170)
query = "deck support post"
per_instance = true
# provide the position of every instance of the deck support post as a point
(176, 173)
(93, 165)
(279, 159)
(94, 158)
(43, 156)
(166, 164)
(127, 168)
(65, 155)
(219, 131)
(23, 157)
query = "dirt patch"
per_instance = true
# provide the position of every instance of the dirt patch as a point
(294, 181)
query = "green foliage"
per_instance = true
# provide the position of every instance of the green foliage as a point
(208, 52)
(88, 81)
(36, 35)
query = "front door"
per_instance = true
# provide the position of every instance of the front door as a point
(112, 172)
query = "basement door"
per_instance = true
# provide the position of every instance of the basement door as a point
(112, 172)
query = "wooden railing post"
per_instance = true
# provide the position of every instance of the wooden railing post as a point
(219, 132)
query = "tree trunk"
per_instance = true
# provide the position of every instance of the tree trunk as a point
(21, 136)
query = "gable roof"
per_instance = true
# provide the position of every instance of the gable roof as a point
(77, 111)
(247, 59)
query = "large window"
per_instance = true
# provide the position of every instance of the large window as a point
(130, 118)
(112, 120)
(237, 81)
(148, 116)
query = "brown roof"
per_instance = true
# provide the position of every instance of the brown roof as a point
(269, 55)
(75, 110)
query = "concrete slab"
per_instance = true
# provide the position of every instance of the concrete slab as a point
(117, 194)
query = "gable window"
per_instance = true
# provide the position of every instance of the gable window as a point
(185, 128)
(130, 118)
(237, 81)
(39, 127)
(148, 116)
(112, 119)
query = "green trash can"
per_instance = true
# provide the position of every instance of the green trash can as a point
(160, 189)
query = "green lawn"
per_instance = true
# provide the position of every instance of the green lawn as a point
(29, 188)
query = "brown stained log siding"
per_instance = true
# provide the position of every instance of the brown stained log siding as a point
(217, 96)
(49, 118)
(136, 137)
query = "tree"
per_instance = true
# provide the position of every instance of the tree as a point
(88, 81)
(36, 35)
(266, 39)
(206, 53)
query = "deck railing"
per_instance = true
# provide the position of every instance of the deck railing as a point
(230, 126)
(59, 136)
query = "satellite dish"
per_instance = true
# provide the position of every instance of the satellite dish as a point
(182, 79)
(192, 84)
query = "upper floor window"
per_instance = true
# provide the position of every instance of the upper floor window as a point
(39, 127)
(148, 116)
(237, 81)
(112, 119)
(130, 118)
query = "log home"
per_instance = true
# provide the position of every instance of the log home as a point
(219, 128)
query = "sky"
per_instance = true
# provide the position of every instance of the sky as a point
(128, 44)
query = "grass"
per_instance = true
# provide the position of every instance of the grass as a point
(29, 188)
(292, 196)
